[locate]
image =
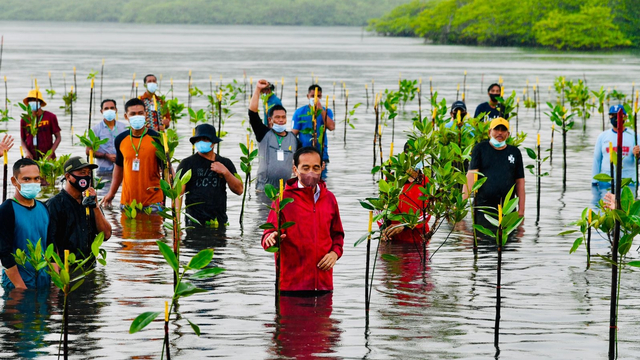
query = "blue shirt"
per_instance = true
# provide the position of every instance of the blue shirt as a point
(272, 100)
(302, 121)
(19, 223)
(601, 154)
(102, 131)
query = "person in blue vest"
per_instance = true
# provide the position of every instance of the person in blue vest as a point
(601, 162)
(23, 218)
(303, 124)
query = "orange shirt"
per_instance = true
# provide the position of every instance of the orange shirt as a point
(142, 185)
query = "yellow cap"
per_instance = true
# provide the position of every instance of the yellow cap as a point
(499, 121)
(35, 94)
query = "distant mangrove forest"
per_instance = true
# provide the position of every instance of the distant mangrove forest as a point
(560, 24)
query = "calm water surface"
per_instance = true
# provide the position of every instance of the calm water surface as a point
(551, 307)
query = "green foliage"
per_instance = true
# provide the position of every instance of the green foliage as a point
(506, 221)
(217, 12)
(68, 98)
(279, 203)
(91, 140)
(51, 169)
(560, 24)
(175, 109)
(131, 210)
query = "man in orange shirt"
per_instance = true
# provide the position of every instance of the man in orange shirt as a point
(137, 168)
(153, 108)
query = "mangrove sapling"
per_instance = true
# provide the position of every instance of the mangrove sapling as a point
(507, 106)
(277, 205)
(558, 116)
(34, 256)
(536, 156)
(349, 118)
(585, 224)
(50, 91)
(69, 275)
(51, 169)
(506, 222)
(181, 289)
(578, 96)
(600, 96)
(174, 108)
(91, 141)
(407, 91)
(245, 165)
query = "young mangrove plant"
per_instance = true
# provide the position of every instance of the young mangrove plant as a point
(277, 205)
(599, 104)
(536, 170)
(578, 96)
(181, 289)
(248, 155)
(407, 89)
(560, 116)
(506, 222)
(67, 274)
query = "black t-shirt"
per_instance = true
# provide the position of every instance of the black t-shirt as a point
(501, 168)
(69, 227)
(206, 188)
(486, 108)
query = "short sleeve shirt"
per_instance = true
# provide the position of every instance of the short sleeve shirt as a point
(303, 121)
(501, 168)
(103, 131)
(47, 127)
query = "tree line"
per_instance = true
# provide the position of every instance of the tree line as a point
(560, 24)
(249, 12)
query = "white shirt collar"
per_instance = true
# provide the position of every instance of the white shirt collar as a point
(316, 193)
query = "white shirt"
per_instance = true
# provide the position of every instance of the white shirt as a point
(316, 194)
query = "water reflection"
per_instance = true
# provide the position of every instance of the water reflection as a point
(304, 328)
(25, 320)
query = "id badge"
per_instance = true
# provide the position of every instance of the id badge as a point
(280, 154)
(135, 166)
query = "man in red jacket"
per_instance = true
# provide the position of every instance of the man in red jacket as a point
(311, 247)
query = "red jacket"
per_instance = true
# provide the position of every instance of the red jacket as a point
(317, 231)
(409, 202)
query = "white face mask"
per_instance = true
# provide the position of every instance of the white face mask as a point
(312, 103)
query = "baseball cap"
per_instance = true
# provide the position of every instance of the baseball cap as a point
(77, 163)
(497, 122)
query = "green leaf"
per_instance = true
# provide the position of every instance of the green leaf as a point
(97, 242)
(187, 289)
(484, 230)
(77, 285)
(195, 327)
(267, 226)
(287, 225)
(285, 201)
(206, 273)
(576, 245)
(567, 232)
(142, 321)
(603, 177)
(634, 263)
(531, 153)
(271, 192)
(390, 257)
(201, 259)
(168, 254)
(273, 249)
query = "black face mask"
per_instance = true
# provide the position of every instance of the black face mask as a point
(82, 182)
(614, 121)
(494, 97)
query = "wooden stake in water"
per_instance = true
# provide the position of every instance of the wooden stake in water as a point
(219, 119)
(90, 103)
(366, 93)
(6, 95)
(538, 166)
(635, 137)
(553, 131)
(75, 83)
(166, 329)
(499, 279)
(611, 167)
(464, 84)
(589, 241)
(282, 89)
(278, 244)
(189, 95)
(296, 106)
(375, 131)
(71, 110)
(482, 84)
(458, 92)
(613, 314)
(366, 274)
(50, 82)
(101, 78)
(518, 111)
(251, 85)
(473, 216)
(420, 101)
(373, 87)
(346, 115)
(4, 179)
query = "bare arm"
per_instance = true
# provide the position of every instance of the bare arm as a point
(255, 99)
(330, 124)
(56, 142)
(115, 185)
(521, 195)
(14, 276)
(470, 182)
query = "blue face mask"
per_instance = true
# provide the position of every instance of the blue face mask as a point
(152, 87)
(137, 122)
(29, 190)
(279, 128)
(203, 146)
(34, 105)
(109, 115)
(496, 143)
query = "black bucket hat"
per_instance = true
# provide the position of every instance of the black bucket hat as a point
(205, 130)
(77, 163)
(459, 105)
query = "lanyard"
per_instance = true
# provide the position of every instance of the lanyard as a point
(139, 143)
(278, 138)
(112, 132)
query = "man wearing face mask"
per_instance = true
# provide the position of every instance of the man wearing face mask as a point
(501, 164)
(601, 154)
(48, 128)
(153, 114)
(137, 168)
(490, 108)
(71, 228)
(276, 145)
(23, 218)
(303, 123)
(108, 128)
(210, 174)
(311, 247)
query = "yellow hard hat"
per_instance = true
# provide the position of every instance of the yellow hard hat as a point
(33, 94)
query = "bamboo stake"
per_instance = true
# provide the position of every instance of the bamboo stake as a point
(464, 84)
(75, 84)
(366, 93)
(635, 136)
(4, 179)
(613, 308)
(219, 119)
(282, 89)
(366, 274)
(296, 106)
(71, 110)
(538, 166)
(589, 241)
(166, 329)
(553, 131)
(346, 115)
(91, 104)
(375, 135)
